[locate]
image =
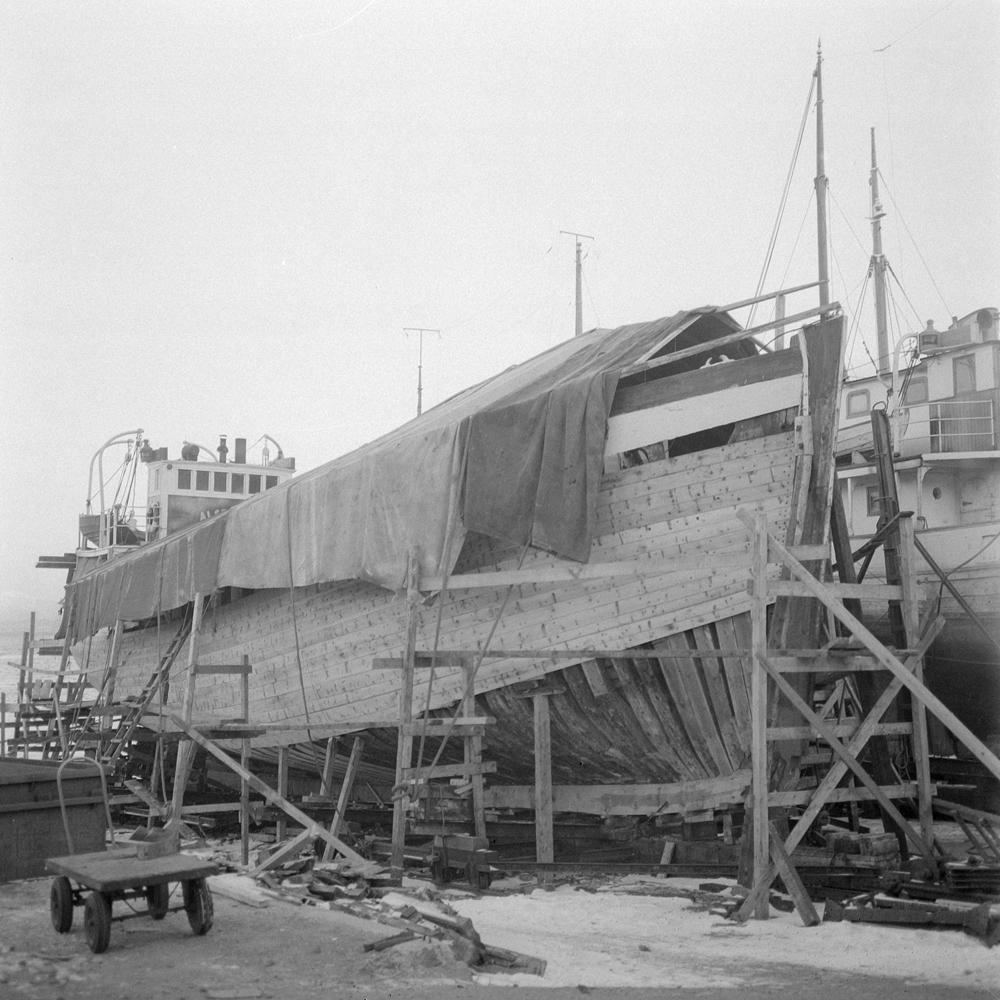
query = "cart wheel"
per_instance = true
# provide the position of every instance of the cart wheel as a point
(97, 922)
(61, 904)
(158, 900)
(198, 904)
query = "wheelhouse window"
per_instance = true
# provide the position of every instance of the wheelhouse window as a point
(915, 391)
(238, 487)
(254, 484)
(201, 479)
(183, 479)
(858, 403)
(219, 482)
(270, 481)
(964, 370)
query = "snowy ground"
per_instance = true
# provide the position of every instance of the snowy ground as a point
(611, 938)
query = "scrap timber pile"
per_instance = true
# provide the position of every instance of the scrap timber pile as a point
(360, 890)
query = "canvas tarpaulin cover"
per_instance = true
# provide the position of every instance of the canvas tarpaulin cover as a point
(518, 458)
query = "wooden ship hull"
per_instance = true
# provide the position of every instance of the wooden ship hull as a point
(643, 644)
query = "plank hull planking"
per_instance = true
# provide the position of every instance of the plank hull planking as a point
(621, 719)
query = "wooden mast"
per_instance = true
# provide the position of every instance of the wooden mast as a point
(878, 270)
(821, 188)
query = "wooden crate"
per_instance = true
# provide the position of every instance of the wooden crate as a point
(31, 826)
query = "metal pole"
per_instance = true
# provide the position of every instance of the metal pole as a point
(578, 329)
(420, 331)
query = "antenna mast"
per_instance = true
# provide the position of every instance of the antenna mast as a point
(579, 277)
(420, 331)
(821, 186)
(878, 269)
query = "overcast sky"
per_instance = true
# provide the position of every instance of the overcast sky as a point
(218, 217)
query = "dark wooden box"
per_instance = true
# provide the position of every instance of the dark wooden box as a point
(31, 826)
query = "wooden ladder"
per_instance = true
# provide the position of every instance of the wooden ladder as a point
(410, 779)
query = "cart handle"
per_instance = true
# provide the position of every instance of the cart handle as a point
(62, 798)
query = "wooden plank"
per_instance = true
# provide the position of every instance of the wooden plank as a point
(641, 428)
(673, 798)
(873, 591)
(449, 770)
(284, 851)
(805, 796)
(222, 668)
(715, 345)
(422, 661)
(826, 665)
(777, 733)
(437, 732)
(565, 573)
(544, 843)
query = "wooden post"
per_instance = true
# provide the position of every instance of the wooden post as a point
(326, 781)
(404, 741)
(245, 764)
(20, 729)
(281, 826)
(3, 724)
(185, 750)
(544, 847)
(758, 708)
(911, 625)
(353, 764)
(474, 754)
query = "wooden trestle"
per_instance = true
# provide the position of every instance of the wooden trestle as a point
(866, 653)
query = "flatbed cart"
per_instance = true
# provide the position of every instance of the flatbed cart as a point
(120, 874)
(117, 874)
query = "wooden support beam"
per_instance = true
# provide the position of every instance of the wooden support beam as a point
(776, 734)
(793, 884)
(758, 708)
(911, 625)
(544, 844)
(672, 798)
(570, 572)
(350, 774)
(875, 591)
(286, 850)
(917, 688)
(428, 773)
(245, 763)
(326, 781)
(404, 743)
(185, 751)
(280, 826)
(473, 750)
(315, 829)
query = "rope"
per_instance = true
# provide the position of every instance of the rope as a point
(295, 629)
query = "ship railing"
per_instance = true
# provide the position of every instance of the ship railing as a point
(951, 426)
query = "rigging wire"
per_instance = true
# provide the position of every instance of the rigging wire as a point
(914, 242)
(784, 198)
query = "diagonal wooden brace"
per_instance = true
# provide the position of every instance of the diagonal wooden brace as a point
(916, 687)
(314, 829)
